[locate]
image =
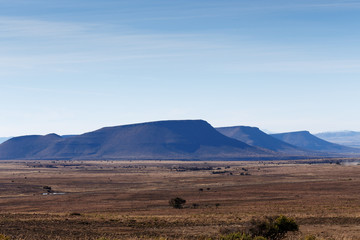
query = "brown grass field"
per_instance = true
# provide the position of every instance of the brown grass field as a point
(129, 199)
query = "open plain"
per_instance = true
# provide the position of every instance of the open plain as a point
(130, 199)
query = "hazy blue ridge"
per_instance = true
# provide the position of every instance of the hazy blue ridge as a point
(306, 140)
(346, 138)
(255, 137)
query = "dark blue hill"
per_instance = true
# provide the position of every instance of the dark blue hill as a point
(306, 140)
(255, 137)
(26, 146)
(184, 139)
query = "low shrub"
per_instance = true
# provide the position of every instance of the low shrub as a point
(240, 236)
(273, 228)
(236, 236)
(75, 214)
(177, 202)
(310, 237)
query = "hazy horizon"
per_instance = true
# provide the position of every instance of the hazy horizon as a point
(72, 67)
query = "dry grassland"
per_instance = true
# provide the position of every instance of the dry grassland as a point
(129, 199)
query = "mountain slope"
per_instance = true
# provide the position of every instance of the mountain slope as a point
(187, 139)
(255, 137)
(3, 139)
(306, 140)
(346, 138)
(26, 146)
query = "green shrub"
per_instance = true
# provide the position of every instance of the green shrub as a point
(273, 228)
(236, 236)
(310, 237)
(240, 236)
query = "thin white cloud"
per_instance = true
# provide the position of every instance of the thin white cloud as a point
(20, 28)
(280, 5)
(42, 90)
(334, 4)
(58, 46)
(29, 44)
(294, 66)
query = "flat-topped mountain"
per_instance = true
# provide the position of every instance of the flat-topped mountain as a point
(255, 137)
(184, 139)
(305, 140)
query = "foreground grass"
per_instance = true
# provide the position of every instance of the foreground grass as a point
(93, 227)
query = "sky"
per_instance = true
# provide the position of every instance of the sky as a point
(70, 67)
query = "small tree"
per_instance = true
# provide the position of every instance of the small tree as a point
(177, 202)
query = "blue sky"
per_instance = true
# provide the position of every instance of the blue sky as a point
(75, 66)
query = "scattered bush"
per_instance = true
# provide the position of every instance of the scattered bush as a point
(269, 228)
(259, 238)
(236, 236)
(310, 237)
(195, 205)
(241, 236)
(75, 214)
(177, 202)
(47, 188)
(273, 228)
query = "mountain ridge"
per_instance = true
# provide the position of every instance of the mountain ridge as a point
(173, 139)
(308, 141)
(4, 139)
(255, 137)
(346, 138)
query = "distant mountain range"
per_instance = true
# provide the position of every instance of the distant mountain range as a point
(255, 137)
(346, 138)
(305, 140)
(187, 139)
(173, 140)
